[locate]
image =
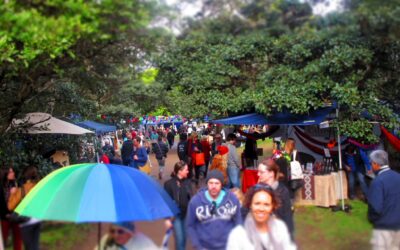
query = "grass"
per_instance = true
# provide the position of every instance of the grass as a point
(62, 235)
(265, 144)
(320, 228)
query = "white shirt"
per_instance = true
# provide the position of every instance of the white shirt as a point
(138, 242)
(239, 240)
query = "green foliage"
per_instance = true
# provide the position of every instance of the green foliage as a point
(22, 150)
(359, 129)
(160, 111)
(149, 76)
(134, 98)
(80, 47)
(35, 32)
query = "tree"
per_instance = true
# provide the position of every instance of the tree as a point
(66, 56)
(317, 60)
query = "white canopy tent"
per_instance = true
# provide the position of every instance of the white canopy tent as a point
(43, 123)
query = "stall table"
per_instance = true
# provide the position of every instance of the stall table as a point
(322, 190)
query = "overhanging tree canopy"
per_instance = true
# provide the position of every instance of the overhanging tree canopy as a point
(297, 69)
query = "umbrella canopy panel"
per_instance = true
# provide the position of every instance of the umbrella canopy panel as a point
(97, 193)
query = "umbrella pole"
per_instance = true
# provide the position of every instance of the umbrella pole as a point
(99, 235)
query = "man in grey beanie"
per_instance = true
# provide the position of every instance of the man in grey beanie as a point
(212, 213)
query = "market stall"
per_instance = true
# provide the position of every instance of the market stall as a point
(327, 185)
(318, 190)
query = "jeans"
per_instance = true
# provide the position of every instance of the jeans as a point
(199, 170)
(352, 183)
(161, 164)
(206, 167)
(233, 174)
(129, 163)
(179, 232)
(31, 235)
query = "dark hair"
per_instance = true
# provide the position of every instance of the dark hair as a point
(4, 175)
(231, 137)
(258, 188)
(291, 139)
(350, 148)
(271, 166)
(183, 136)
(178, 167)
(138, 139)
(30, 173)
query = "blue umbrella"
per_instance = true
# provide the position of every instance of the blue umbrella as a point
(94, 192)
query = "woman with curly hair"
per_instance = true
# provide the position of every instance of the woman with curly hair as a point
(261, 229)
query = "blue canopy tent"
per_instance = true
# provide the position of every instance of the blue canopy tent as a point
(100, 128)
(169, 123)
(283, 118)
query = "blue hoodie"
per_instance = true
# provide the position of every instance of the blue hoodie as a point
(211, 231)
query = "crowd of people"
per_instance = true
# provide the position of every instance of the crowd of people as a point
(205, 184)
(218, 216)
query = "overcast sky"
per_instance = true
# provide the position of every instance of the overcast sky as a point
(191, 9)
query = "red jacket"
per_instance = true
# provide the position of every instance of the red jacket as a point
(206, 149)
(104, 159)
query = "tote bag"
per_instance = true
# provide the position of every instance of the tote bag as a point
(146, 168)
(199, 159)
(296, 172)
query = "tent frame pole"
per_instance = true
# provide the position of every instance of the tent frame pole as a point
(95, 148)
(340, 159)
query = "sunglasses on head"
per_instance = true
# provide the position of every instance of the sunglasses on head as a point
(261, 186)
(117, 231)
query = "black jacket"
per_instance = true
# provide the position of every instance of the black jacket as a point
(183, 151)
(180, 191)
(160, 149)
(3, 205)
(127, 150)
(284, 211)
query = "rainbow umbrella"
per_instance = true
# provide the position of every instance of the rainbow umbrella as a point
(94, 192)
